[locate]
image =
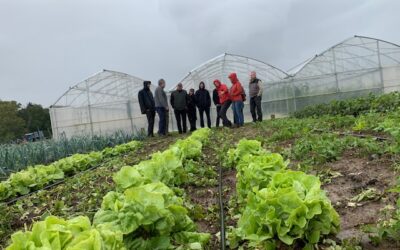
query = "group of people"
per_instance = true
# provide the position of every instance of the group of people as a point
(185, 104)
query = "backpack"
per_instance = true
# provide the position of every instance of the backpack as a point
(243, 95)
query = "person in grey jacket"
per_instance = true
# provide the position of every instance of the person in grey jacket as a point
(255, 93)
(161, 103)
(179, 104)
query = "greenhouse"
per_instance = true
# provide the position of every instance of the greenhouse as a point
(355, 67)
(102, 104)
(220, 67)
(107, 102)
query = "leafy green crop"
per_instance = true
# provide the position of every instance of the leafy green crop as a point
(355, 107)
(36, 177)
(152, 210)
(16, 157)
(75, 234)
(144, 212)
(279, 204)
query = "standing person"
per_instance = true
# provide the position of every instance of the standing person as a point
(191, 110)
(217, 105)
(236, 92)
(179, 104)
(203, 102)
(225, 101)
(255, 93)
(147, 106)
(161, 103)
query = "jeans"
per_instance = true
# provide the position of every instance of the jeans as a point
(222, 113)
(255, 104)
(180, 116)
(218, 117)
(237, 107)
(161, 111)
(201, 112)
(150, 114)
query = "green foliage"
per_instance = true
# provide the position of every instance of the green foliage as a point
(244, 147)
(74, 234)
(279, 204)
(165, 167)
(11, 125)
(36, 118)
(15, 157)
(144, 212)
(389, 226)
(152, 210)
(255, 172)
(354, 107)
(291, 207)
(36, 177)
(318, 149)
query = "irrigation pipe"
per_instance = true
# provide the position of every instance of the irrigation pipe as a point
(221, 210)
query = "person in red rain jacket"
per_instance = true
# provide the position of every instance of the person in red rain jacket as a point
(224, 100)
(236, 92)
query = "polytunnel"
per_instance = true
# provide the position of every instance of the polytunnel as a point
(102, 104)
(220, 67)
(355, 67)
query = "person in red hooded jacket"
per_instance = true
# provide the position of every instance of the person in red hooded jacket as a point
(236, 92)
(225, 101)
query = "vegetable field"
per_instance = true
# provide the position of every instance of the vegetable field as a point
(313, 181)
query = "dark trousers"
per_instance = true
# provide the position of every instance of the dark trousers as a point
(201, 112)
(224, 108)
(255, 104)
(161, 124)
(218, 117)
(180, 116)
(192, 116)
(150, 114)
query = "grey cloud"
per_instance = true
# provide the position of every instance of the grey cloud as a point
(47, 46)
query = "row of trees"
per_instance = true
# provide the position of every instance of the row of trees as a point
(15, 120)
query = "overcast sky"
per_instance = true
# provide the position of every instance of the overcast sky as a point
(48, 45)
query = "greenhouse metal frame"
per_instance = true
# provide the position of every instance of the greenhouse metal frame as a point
(355, 67)
(107, 102)
(104, 103)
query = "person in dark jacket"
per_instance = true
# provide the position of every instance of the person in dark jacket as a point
(191, 110)
(217, 105)
(203, 103)
(147, 106)
(179, 104)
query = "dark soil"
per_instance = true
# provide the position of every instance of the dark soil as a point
(358, 174)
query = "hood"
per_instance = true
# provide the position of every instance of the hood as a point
(203, 84)
(233, 77)
(145, 84)
(218, 82)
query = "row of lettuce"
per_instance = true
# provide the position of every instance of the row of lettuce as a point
(143, 212)
(38, 176)
(277, 204)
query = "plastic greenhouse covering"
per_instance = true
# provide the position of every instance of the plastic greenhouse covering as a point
(102, 104)
(107, 102)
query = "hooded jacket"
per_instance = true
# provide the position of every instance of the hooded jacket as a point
(203, 99)
(236, 90)
(146, 100)
(223, 92)
(216, 97)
